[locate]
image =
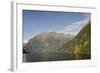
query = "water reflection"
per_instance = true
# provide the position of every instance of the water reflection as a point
(51, 56)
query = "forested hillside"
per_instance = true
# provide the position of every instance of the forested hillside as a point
(80, 46)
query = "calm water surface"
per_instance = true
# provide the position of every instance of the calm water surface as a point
(50, 56)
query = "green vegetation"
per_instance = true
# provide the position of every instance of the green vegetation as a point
(80, 46)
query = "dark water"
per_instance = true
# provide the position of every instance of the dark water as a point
(51, 56)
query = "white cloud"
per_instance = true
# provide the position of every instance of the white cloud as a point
(74, 27)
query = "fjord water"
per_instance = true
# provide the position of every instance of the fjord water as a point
(51, 56)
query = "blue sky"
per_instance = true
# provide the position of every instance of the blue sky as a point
(35, 22)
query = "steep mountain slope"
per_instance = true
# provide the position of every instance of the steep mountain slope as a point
(80, 46)
(47, 41)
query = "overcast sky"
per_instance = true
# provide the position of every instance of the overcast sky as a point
(35, 22)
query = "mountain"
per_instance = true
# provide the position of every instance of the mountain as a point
(24, 47)
(80, 46)
(47, 41)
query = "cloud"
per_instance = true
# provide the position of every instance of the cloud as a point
(74, 27)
